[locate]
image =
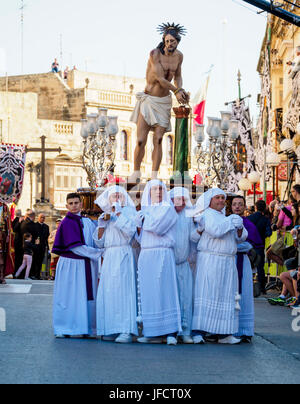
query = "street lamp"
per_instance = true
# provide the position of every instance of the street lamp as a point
(244, 185)
(254, 178)
(219, 159)
(273, 160)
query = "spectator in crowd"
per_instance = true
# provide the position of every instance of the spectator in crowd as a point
(42, 250)
(29, 226)
(289, 280)
(285, 217)
(18, 242)
(2, 256)
(296, 192)
(295, 214)
(28, 248)
(54, 66)
(263, 226)
(66, 72)
(54, 257)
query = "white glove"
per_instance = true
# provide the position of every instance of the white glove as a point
(237, 221)
(118, 207)
(139, 219)
(101, 222)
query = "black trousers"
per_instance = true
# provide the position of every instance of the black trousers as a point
(261, 269)
(38, 258)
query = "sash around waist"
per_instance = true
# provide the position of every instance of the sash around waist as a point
(117, 246)
(217, 253)
(156, 248)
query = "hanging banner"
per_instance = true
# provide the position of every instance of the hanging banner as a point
(12, 168)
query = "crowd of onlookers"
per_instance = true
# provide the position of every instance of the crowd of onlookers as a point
(55, 69)
(283, 218)
(32, 244)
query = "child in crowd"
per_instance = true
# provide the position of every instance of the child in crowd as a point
(28, 253)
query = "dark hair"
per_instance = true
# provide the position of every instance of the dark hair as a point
(261, 206)
(296, 219)
(161, 45)
(239, 197)
(296, 188)
(73, 195)
(27, 236)
(292, 199)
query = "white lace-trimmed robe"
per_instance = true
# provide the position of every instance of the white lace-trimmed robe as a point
(157, 272)
(183, 250)
(246, 314)
(73, 314)
(216, 284)
(116, 299)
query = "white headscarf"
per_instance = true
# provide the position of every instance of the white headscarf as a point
(205, 199)
(146, 198)
(179, 192)
(103, 200)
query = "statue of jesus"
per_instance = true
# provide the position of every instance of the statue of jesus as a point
(153, 107)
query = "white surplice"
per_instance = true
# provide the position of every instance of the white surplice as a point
(73, 314)
(116, 299)
(183, 251)
(246, 314)
(216, 285)
(157, 272)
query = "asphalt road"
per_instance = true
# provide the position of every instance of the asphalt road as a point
(29, 353)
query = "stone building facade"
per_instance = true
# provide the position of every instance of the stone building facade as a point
(45, 104)
(280, 95)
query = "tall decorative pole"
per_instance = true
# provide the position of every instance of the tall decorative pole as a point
(181, 150)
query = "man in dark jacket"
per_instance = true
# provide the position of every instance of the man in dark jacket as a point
(43, 233)
(18, 242)
(28, 226)
(263, 226)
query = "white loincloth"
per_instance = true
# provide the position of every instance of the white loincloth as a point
(155, 110)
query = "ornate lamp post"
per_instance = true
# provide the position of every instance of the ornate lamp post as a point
(219, 159)
(254, 178)
(98, 132)
(273, 160)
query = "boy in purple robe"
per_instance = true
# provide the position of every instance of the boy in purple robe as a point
(75, 288)
(245, 274)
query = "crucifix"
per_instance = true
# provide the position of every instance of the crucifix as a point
(43, 150)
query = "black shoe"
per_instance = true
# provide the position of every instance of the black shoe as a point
(211, 338)
(245, 339)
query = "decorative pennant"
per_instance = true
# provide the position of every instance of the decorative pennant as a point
(12, 169)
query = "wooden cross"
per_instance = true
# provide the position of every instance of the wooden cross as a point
(43, 150)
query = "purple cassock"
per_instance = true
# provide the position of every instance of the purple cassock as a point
(255, 240)
(70, 235)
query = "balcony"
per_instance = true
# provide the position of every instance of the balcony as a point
(109, 99)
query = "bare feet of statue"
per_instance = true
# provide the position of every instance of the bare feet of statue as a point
(135, 177)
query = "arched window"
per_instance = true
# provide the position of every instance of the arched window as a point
(124, 146)
(169, 150)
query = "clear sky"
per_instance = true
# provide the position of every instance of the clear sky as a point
(116, 36)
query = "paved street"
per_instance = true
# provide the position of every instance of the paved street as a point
(30, 354)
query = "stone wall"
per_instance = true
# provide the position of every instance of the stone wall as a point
(55, 99)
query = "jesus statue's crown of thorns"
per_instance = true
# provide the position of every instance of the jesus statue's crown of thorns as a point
(164, 29)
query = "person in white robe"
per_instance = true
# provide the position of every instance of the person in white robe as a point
(183, 251)
(116, 299)
(74, 313)
(216, 305)
(246, 315)
(156, 266)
